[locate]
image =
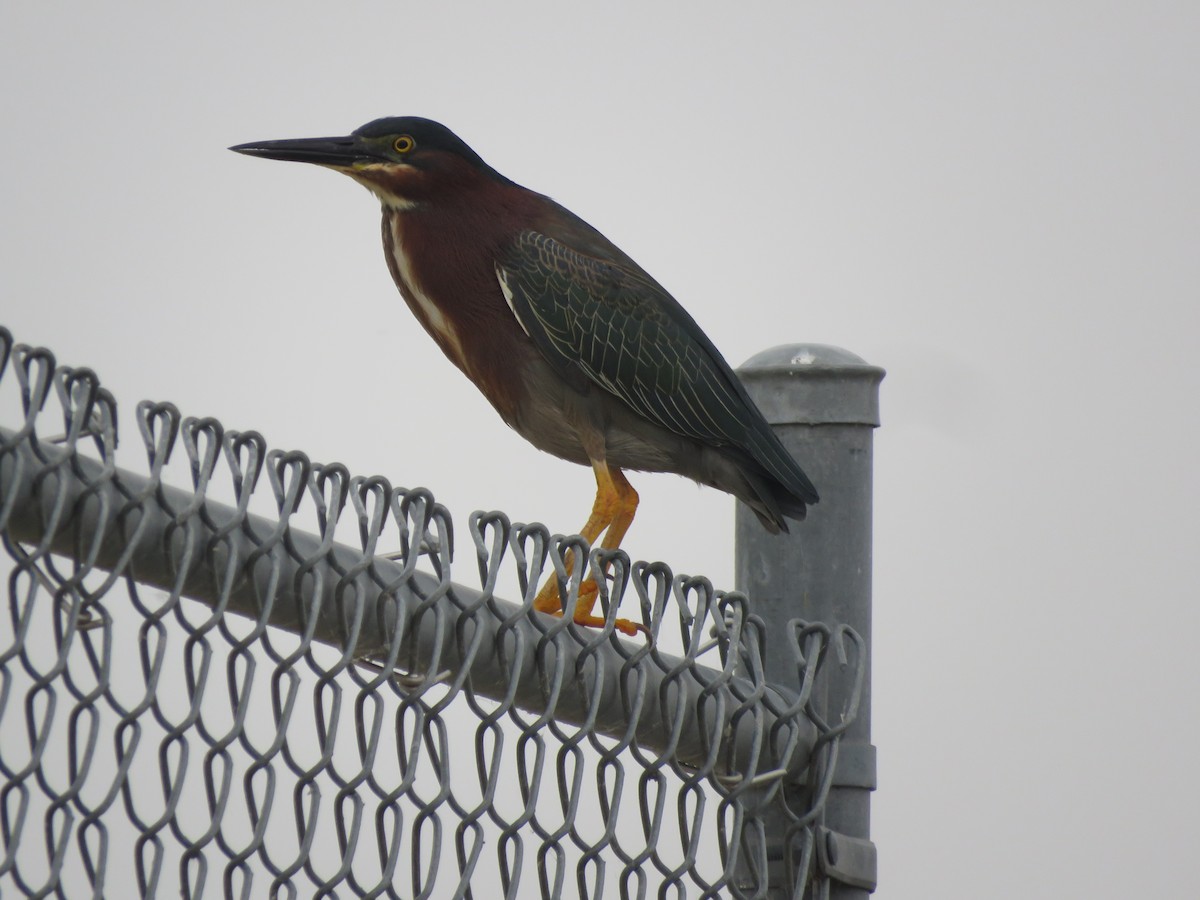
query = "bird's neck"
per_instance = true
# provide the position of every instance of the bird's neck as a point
(443, 261)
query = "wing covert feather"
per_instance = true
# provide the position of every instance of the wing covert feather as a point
(627, 335)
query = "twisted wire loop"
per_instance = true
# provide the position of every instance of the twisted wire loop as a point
(201, 698)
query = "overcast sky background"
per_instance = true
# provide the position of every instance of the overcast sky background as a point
(999, 203)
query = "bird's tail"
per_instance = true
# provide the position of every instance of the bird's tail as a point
(789, 491)
(773, 502)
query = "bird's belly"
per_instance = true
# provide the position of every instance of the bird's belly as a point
(550, 419)
(585, 426)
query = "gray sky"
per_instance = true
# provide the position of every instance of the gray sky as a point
(998, 203)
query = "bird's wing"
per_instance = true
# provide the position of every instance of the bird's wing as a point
(627, 335)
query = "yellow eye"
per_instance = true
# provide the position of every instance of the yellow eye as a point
(404, 143)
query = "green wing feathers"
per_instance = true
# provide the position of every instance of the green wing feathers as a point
(626, 334)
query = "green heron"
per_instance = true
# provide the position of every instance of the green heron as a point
(579, 350)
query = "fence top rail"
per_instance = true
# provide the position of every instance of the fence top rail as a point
(708, 709)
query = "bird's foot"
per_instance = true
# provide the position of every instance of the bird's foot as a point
(625, 626)
(548, 601)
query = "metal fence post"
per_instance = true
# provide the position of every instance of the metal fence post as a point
(824, 403)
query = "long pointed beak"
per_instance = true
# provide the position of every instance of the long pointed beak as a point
(330, 151)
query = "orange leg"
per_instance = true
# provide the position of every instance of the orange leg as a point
(626, 507)
(612, 513)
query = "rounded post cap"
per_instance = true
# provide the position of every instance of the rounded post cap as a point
(813, 384)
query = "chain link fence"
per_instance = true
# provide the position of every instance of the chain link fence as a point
(262, 680)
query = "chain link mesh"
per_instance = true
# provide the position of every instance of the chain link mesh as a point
(266, 683)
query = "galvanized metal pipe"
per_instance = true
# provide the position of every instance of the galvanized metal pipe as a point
(824, 404)
(673, 688)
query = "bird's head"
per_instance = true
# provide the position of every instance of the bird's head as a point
(404, 160)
